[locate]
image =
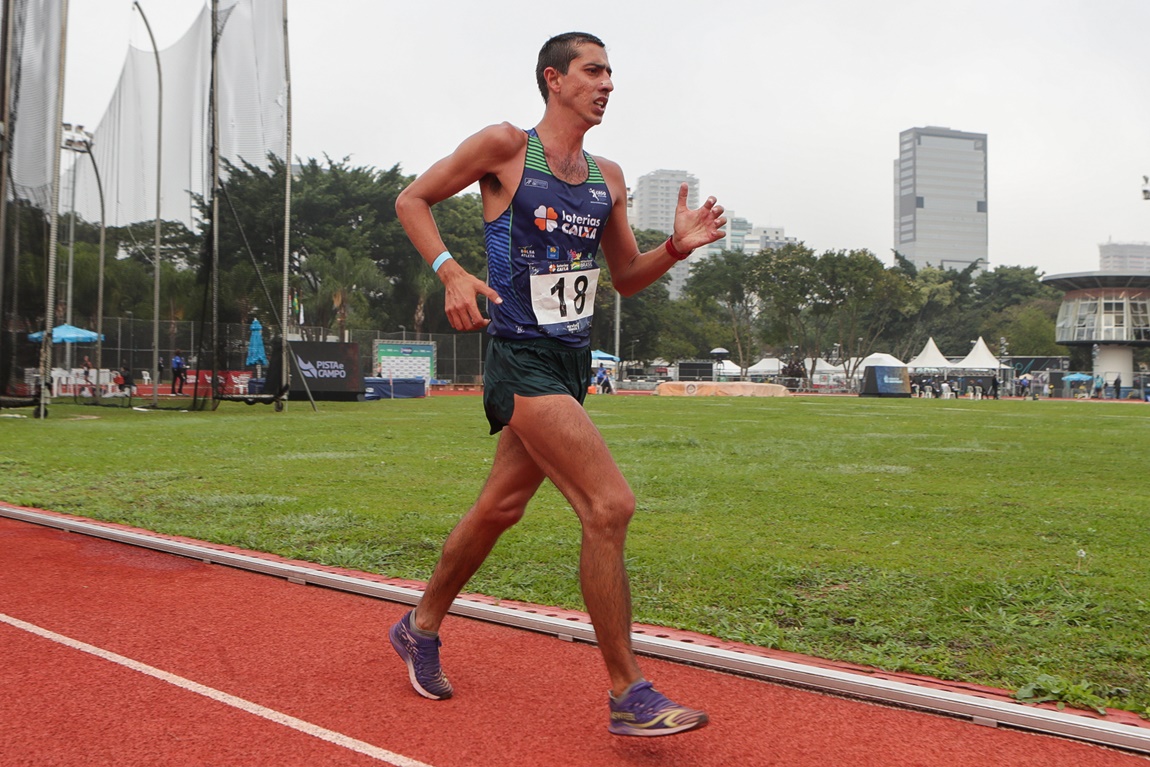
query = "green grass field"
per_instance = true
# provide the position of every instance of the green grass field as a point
(1002, 542)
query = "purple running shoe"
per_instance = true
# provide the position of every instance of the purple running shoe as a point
(421, 654)
(645, 712)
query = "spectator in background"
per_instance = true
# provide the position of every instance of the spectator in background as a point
(179, 373)
(127, 380)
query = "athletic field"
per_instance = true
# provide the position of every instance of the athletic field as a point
(1000, 542)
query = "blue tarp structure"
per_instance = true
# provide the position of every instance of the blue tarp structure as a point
(66, 334)
(256, 354)
(1076, 377)
(394, 388)
(600, 355)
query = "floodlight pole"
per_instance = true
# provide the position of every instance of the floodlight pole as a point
(87, 149)
(156, 247)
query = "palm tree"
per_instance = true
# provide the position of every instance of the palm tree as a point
(337, 283)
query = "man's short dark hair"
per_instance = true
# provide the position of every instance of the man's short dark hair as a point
(559, 52)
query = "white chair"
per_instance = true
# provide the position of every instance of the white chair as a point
(146, 377)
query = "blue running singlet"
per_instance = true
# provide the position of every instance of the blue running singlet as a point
(541, 253)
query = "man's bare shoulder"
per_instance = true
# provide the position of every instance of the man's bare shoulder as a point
(609, 168)
(499, 141)
(612, 174)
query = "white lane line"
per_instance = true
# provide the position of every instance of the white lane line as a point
(339, 739)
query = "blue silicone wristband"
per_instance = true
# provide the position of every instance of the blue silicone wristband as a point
(440, 259)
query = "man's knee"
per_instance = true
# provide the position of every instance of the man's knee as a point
(499, 513)
(611, 513)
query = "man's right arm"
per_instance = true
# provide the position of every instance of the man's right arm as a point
(489, 153)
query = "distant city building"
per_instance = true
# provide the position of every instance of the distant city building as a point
(940, 216)
(742, 236)
(653, 200)
(652, 206)
(1124, 257)
(1109, 312)
(768, 238)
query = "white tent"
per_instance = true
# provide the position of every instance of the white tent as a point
(727, 368)
(882, 360)
(930, 357)
(767, 366)
(822, 366)
(980, 358)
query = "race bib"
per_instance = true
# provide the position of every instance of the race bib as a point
(563, 297)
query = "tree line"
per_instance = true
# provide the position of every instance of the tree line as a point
(352, 267)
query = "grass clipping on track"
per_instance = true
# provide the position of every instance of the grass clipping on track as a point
(1002, 543)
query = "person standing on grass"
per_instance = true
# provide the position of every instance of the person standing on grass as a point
(547, 207)
(179, 373)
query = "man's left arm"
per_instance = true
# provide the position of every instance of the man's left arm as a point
(631, 271)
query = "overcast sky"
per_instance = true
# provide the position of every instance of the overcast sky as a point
(788, 112)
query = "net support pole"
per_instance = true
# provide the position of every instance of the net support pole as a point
(215, 118)
(5, 143)
(159, 187)
(285, 306)
(54, 225)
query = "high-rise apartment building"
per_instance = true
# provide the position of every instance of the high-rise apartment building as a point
(653, 200)
(1124, 257)
(940, 216)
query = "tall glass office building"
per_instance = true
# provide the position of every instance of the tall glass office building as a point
(940, 216)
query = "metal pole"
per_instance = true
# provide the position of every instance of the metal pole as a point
(54, 225)
(100, 280)
(5, 142)
(618, 315)
(156, 257)
(214, 110)
(71, 258)
(286, 304)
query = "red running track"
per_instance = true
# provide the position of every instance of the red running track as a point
(117, 655)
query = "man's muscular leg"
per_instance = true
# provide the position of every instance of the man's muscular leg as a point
(513, 481)
(563, 442)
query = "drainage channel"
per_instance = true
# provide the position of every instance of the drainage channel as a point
(985, 711)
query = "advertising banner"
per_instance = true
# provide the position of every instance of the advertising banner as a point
(405, 360)
(880, 381)
(331, 371)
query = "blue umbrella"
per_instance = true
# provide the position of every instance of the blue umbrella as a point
(1074, 377)
(256, 354)
(66, 334)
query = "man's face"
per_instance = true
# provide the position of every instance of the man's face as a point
(587, 85)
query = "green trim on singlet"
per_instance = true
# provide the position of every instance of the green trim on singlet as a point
(537, 161)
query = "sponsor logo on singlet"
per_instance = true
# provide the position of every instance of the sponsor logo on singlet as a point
(546, 219)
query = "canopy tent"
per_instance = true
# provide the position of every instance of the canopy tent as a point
(880, 360)
(727, 368)
(597, 355)
(67, 334)
(980, 358)
(930, 357)
(1077, 377)
(822, 366)
(767, 366)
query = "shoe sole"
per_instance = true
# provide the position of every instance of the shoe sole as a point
(406, 658)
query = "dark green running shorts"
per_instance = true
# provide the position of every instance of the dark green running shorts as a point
(531, 368)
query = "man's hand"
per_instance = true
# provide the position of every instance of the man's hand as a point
(696, 228)
(460, 302)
